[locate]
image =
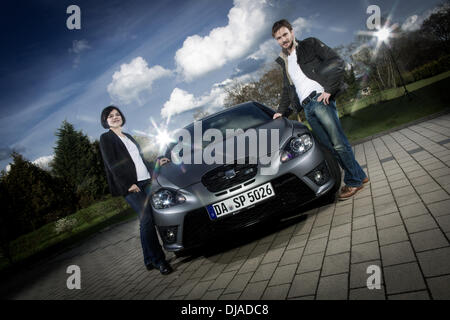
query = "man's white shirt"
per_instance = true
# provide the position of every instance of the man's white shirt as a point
(303, 85)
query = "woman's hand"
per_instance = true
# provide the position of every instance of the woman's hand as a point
(163, 161)
(134, 188)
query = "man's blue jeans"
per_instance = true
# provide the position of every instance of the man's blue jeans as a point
(325, 124)
(140, 202)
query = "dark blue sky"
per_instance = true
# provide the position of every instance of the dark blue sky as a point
(182, 49)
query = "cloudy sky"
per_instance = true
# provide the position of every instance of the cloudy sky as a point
(157, 60)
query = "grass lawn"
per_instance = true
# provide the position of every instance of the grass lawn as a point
(393, 113)
(390, 94)
(53, 237)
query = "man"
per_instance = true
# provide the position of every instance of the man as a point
(312, 78)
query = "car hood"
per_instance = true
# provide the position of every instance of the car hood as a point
(183, 175)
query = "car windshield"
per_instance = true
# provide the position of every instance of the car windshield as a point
(243, 117)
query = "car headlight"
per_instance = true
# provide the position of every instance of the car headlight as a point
(166, 198)
(297, 146)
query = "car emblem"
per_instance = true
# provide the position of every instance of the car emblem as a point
(230, 174)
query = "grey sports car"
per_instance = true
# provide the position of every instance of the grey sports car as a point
(265, 171)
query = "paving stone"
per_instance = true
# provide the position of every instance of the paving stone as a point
(297, 242)
(280, 242)
(427, 188)
(435, 196)
(440, 208)
(376, 193)
(273, 255)
(214, 272)
(385, 208)
(389, 220)
(392, 235)
(310, 263)
(319, 232)
(413, 210)
(338, 246)
(315, 246)
(342, 219)
(336, 264)
(230, 296)
(362, 211)
(333, 287)
(367, 294)
(238, 283)
(408, 199)
(223, 280)
(304, 284)
(279, 292)
(400, 184)
(444, 223)
(383, 200)
(199, 290)
(283, 275)
(427, 240)
(435, 262)
(365, 252)
(364, 222)
(397, 253)
(419, 295)
(403, 191)
(440, 287)
(212, 295)
(291, 256)
(264, 272)
(420, 223)
(364, 235)
(403, 278)
(340, 231)
(343, 207)
(254, 291)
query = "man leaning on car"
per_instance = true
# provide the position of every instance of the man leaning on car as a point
(312, 77)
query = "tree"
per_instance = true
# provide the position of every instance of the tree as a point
(32, 197)
(437, 24)
(200, 113)
(266, 90)
(78, 162)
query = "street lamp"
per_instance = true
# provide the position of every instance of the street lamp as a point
(383, 36)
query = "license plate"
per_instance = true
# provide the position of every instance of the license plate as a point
(240, 201)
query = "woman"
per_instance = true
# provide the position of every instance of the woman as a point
(129, 175)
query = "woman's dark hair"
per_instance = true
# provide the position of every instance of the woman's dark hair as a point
(279, 24)
(105, 114)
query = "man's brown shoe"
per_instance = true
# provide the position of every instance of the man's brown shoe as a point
(365, 181)
(348, 192)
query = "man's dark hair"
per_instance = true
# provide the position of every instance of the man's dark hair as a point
(105, 114)
(279, 24)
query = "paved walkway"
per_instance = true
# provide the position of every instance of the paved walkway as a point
(400, 223)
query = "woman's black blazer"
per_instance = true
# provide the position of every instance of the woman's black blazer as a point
(120, 168)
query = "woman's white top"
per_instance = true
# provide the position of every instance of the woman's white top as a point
(141, 170)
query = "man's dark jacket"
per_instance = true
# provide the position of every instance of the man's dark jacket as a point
(318, 62)
(119, 166)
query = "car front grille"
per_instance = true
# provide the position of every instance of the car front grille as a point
(228, 176)
(290, 193)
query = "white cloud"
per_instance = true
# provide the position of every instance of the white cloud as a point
(133, 79)
(44, 162)
(247, 22)
(181, 101)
